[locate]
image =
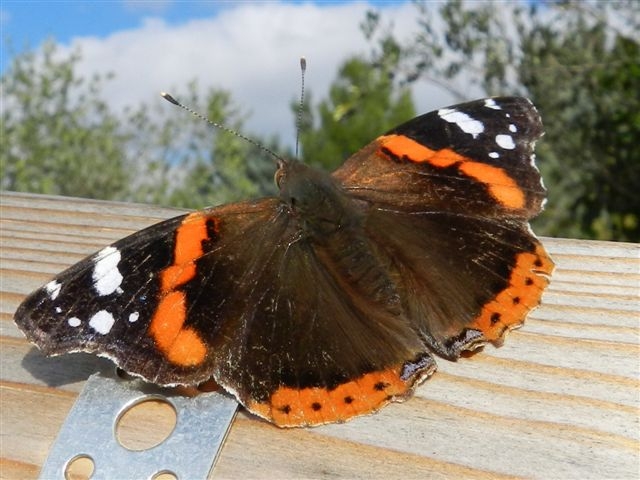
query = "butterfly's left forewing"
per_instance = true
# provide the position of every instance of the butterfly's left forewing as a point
(129, 301)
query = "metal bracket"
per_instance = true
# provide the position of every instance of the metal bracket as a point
(89, 431)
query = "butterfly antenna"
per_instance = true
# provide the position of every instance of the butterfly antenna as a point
(219, 126)
(303, 69)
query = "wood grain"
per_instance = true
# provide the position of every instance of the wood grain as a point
(560, 399)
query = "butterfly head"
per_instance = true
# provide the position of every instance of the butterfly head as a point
(312, 195)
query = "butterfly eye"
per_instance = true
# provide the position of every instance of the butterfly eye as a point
(277, 178)
(280, 173)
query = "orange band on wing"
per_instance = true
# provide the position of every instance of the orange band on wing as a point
(181, 346)
(290, 407)
(189, 237)
(500, 185)
(176, 275)
(404, 147)
(187, 348)
(508, 309)
(168, 319)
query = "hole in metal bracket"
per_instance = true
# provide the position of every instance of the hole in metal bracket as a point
(165, 475)
(146, 423)
(80, 467)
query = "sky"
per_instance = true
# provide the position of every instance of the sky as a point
(249, 48)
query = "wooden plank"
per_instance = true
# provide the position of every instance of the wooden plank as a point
(560, 399)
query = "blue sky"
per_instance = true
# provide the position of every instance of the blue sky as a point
(27, 23)
(250, 48)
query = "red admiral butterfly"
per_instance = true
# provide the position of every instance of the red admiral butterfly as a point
(327, 301)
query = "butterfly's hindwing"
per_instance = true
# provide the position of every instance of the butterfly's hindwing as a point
(484, 254)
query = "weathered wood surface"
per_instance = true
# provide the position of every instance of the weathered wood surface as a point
(560, 399)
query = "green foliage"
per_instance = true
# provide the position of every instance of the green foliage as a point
(582, 73)
(474, 49)
(364, 101)
(212, 166)
(586, 83)
(57, 136)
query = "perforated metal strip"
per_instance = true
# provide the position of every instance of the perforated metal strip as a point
(189, 452)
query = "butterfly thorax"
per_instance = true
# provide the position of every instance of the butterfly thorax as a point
(315, 199)
(332, 224)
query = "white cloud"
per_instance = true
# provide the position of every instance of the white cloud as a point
(251, 50)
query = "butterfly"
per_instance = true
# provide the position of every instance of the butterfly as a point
(331, 299)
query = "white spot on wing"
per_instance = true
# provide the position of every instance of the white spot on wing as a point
(53, 289)
(543, 204)
(133, 317)
(542, 185)
(462, 120)
(74, 322)
(106, 276)
(512, 128)
(58, 310)
(531, 232)
(494, 154)
(102, 322)
(505, 141)
(491, 103)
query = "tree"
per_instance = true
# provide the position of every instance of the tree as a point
(586, 83)
(364, 102)
(221, 166)
(57, 136)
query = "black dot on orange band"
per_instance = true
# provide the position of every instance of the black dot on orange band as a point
(528, 281)
(316, 406)
(394, 158)
(538, 262)
(495, 318)
(212, 227)
(348, 399)
(516, 300)
(285, 409)
(211, 224)
(380, 386)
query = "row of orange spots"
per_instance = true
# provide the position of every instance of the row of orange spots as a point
(528, 279)
(290, 407)
(501, 186)
(181, 345)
